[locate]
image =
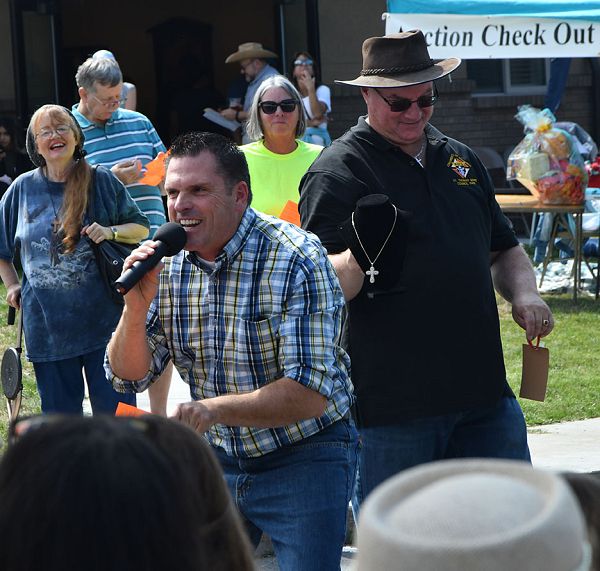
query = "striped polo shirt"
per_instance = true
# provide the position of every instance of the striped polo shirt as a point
(127, 135)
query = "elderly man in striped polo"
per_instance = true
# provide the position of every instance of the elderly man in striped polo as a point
(123, 141)
(117, 138)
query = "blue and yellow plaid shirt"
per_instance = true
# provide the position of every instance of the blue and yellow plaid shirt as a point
(271, 307)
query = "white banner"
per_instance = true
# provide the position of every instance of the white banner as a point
(499, 37)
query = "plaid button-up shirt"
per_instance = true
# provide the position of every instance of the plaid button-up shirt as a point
(271, 307)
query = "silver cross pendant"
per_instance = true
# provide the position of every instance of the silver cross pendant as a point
(372, 272)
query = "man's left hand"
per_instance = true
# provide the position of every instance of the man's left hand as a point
(532, 314)
(195, 414)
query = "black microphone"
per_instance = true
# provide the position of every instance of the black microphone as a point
(171, 238)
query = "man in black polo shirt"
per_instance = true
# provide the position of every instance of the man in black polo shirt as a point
(426, 351)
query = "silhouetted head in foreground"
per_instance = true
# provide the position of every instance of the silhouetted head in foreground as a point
(115, 493)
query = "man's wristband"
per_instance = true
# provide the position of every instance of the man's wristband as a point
(237, 115)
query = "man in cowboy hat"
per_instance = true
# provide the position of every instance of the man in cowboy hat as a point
(252, 58)
(426, 351)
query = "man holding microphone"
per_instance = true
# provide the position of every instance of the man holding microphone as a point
(250, 314)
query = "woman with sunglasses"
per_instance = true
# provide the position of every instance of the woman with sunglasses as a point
(316, 99)
(278, 157)
(68, 315)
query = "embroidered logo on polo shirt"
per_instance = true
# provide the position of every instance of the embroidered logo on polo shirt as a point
(459, 166)
(462, 169)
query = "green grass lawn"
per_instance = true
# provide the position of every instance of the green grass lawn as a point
(573, 387)
(574, 345)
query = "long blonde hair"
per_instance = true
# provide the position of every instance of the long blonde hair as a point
(78, 181)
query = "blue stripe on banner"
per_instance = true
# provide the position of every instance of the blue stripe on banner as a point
(527, 8)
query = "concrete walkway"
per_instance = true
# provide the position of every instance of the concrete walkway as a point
(568, 446)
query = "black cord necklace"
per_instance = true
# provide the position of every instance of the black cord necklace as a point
(56, 234)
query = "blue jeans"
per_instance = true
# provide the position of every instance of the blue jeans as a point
(60, 384)
(496, 432)
(317, 136)
(299, 496)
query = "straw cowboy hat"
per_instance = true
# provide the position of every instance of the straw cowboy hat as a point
(399, 60)
(467, 515)
(250, 50)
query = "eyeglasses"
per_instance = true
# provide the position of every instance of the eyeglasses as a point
(269, 107)
(46, 134)
(400, 104)
(112, 104)
(303, 62)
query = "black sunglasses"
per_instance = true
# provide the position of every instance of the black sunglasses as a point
(400, 104)
(269, 107)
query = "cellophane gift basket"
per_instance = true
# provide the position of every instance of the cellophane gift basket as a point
(547, 161)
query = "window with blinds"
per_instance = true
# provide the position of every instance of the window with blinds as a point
(508, 76)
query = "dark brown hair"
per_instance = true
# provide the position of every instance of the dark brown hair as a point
(125, 494)
(587, 489)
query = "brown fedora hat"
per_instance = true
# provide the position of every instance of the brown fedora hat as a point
(250, 50)
(399, 60)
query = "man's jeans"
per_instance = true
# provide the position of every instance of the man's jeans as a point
(496, 432)
(299, 496)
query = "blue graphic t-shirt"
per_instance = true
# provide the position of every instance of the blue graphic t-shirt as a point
(66, 307)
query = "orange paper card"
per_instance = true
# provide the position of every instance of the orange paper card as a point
(155, 171)
(124, 409)
(534, 378)
(290, 213)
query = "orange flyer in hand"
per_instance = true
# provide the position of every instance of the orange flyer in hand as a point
(290, 213)
(155, 170)
(124, 409)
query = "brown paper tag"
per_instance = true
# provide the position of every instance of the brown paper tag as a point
(534, 378)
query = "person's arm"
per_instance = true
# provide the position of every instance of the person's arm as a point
(512, 272)
(282, 402)
(279, 403)
(308, 334)
(10, 279)
(317, 108)
(129, 233)
(128, 350)
(123, 221)
(514, 280)
(238, 115)
(326, 200)
(348, 272)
